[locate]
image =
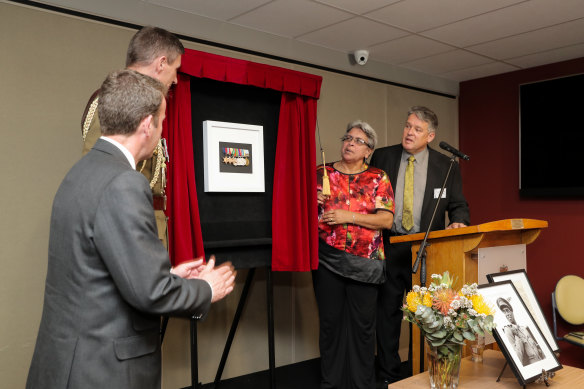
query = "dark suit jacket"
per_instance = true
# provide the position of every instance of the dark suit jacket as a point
(108, 281)
(388, 159)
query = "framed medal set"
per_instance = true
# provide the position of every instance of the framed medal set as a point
(233, 154)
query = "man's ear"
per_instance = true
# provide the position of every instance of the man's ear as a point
(161, 62)
(146, 126)
(431, 136)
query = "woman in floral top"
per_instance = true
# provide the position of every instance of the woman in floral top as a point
(351, 260)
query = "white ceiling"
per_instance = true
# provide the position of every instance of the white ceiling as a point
(455, 40)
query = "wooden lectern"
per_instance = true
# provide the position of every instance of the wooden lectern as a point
(456, 250)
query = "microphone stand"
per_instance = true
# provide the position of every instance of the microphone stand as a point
(421, 258)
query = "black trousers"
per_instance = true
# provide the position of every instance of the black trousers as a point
(347, 311)
(389, 314)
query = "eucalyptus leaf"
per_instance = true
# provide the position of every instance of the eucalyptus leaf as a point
(435, 324)
(437, 343)
(468, 335)
(428, 329)
(440, 333)
(427, 312)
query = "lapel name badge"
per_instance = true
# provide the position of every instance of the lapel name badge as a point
(437, 193)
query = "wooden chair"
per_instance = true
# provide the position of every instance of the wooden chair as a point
(567, 301)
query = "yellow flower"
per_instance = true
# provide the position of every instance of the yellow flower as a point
(413, 300)
(481, 306)
(427, 300)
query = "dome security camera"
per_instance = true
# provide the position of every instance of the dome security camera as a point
(361, 56)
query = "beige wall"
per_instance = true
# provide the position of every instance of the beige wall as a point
(51, 63)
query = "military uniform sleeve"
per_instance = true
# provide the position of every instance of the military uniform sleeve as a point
(90, 127)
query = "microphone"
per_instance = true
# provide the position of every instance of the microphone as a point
(452, 150)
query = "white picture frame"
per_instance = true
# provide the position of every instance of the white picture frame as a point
(522, 339)
(240, 177)
(521, 282)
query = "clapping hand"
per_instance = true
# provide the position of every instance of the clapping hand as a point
(221, 278)
(190, 269)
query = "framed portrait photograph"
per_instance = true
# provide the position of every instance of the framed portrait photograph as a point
(525, 290)
(233, 155)
(520, 339)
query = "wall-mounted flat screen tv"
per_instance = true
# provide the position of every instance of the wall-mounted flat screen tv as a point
(551, 155)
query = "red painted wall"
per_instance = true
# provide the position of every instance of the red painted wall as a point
(489, 133)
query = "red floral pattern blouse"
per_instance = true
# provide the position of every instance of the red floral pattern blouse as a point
(366, 192)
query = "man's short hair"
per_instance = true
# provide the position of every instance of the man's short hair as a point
(127, 97)
(427, 115)
(150, 43)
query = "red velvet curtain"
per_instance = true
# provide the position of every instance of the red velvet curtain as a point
(294, 215)
(294, 211)
(184, 228)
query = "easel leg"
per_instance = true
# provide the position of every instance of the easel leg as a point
(234, 324)
(163, 328)
(194, 359)
(501, 373)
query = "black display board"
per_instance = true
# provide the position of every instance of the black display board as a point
(236, 226)
(549, 112)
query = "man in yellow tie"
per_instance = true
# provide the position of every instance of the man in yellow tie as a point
(416, 173)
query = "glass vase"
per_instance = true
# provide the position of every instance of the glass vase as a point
(444, 365)
(477, 347)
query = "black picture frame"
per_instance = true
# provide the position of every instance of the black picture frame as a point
(521, 282)
(518, 336)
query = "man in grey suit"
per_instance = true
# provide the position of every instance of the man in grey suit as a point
(109, 277)
(428, 169)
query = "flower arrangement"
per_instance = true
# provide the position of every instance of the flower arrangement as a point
(447, 318)
(446, 315)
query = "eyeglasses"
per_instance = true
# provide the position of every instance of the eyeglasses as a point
(359, 141)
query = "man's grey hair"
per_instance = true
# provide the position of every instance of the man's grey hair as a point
(126, 97)
(367, 129)
(427, 115)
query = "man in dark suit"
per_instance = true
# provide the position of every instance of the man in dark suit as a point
(417, 182)
(109, 277)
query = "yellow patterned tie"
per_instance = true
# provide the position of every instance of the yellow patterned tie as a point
(408, 211)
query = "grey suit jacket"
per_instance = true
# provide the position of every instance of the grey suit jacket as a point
(388, 159)
(108, 281)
